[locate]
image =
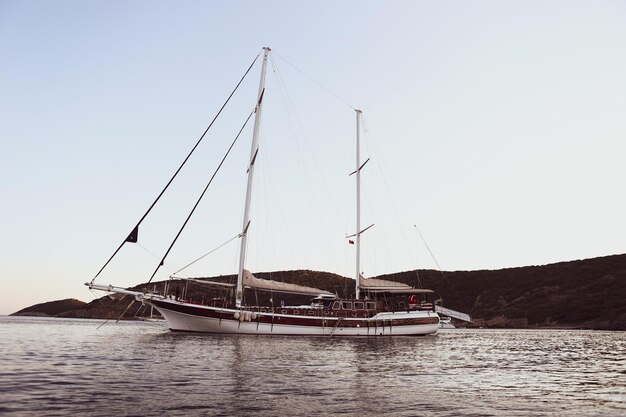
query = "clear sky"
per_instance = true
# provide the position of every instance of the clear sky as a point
(498, 128)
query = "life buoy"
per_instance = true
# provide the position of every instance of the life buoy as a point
(413, 299)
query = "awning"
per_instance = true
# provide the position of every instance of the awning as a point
(375, 285)
(250, 281)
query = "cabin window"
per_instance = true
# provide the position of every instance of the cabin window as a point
(296, 312)
(347, 305)
(359, 305)
(336, 305)
(371, 306)
(311, 312)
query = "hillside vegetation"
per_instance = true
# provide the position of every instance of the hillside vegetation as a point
(589, 294)
(51, 308)
(585, 294)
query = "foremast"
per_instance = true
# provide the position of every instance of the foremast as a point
(253, 154)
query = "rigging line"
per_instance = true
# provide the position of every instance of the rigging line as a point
(315, 81)
(125, 310)
(378, 164)
(417, 272)
(98, 297)
(272, 193)
(427, 247)
(150, 253)
(275, 194)
(263, 192)
(208, 287)
(178, 170)
(443, 274)
(270, 190)
(201, 196)
(147, 251)
(288, 101)
(208, 253)
(140, 307)
(105, 322)
(349, 208)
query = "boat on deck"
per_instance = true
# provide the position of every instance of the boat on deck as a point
(446, 315)
(446, 323)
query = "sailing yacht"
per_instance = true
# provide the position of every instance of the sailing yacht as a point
(379, 307)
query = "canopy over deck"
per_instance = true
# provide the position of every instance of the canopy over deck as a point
(375, 285)
(250, 281)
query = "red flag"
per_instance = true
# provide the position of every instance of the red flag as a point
(351, 242)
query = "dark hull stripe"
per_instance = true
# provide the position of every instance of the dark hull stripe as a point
(280, 319)
(307, 335)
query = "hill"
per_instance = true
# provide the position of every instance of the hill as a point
(51, 308)
(585, 294)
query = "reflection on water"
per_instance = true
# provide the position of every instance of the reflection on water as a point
(63, 367)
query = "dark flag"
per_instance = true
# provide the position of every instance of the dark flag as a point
(351, 242)
(132, 237)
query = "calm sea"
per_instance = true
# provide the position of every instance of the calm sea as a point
(69, 367)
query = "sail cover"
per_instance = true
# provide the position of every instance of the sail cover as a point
(250, 281)
(382, 285)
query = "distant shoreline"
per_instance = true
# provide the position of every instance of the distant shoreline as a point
(575, 295)
(132, 320)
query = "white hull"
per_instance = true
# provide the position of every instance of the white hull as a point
(382, 324)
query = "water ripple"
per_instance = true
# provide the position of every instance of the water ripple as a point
(67, 367)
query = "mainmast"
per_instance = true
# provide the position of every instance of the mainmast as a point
(357, 235)
(253, 154)
(358, 203)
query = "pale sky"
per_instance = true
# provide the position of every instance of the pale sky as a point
(497, 128)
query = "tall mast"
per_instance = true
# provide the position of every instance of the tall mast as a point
(358, 203)
(253, 154)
